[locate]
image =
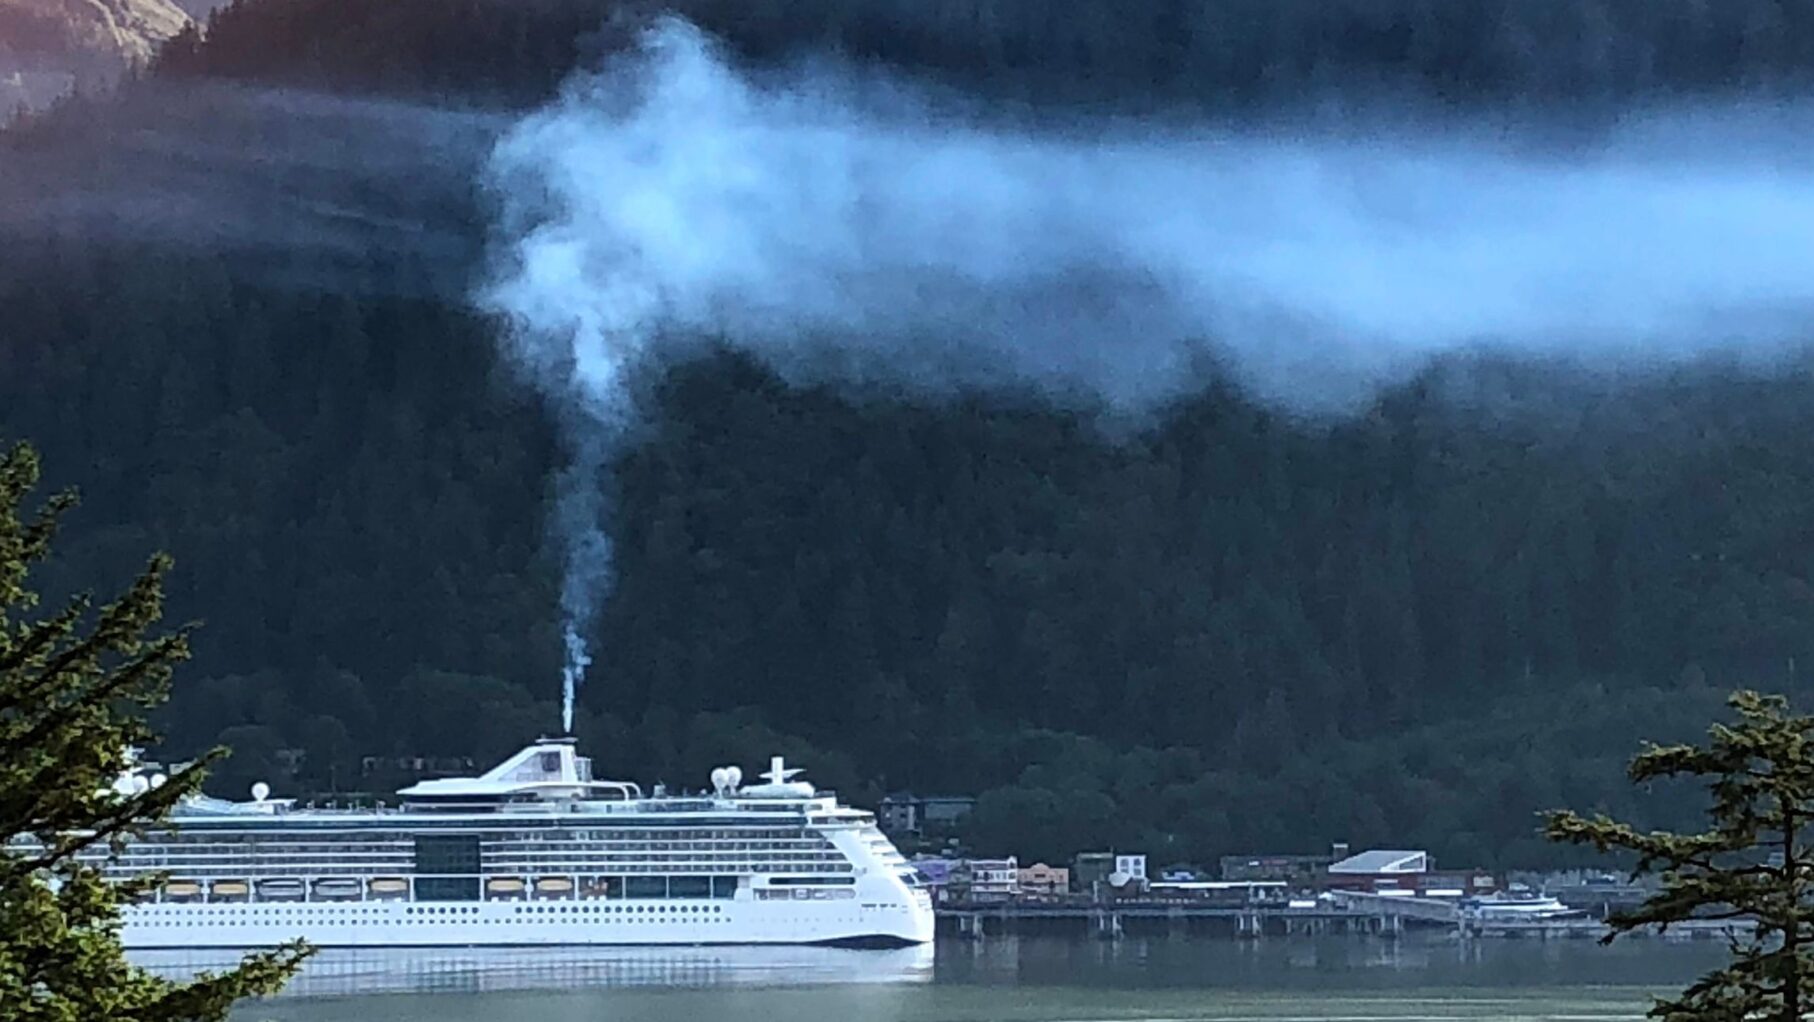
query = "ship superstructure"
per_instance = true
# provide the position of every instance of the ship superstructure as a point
(535, 851)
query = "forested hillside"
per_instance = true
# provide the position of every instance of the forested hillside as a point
(1220, 627)
(1202, 52)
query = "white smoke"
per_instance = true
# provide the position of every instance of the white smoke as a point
(816, 214)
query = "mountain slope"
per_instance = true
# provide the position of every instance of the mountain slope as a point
(1226, 631)
(48, 47)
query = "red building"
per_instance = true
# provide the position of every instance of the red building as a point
(1404, 873)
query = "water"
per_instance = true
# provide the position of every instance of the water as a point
(1338, 979)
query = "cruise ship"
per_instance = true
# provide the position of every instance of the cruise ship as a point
(534, 852)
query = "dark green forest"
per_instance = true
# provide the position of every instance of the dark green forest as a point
(1224, 627)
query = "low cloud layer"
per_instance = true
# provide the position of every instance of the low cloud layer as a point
(843, 225)
(817, 213)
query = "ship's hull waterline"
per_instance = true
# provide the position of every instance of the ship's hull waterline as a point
(491, 924)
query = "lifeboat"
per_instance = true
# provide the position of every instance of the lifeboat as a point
(182, 890)
(504, 888)
(282, 889)
(387, 888)
(229, 891)
(554, 887)
(335, 889)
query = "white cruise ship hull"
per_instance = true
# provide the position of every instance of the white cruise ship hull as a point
(534, 853)
(851, 923)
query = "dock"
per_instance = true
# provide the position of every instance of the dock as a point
(1111, 920)
(1563, 929)
(1344, 913)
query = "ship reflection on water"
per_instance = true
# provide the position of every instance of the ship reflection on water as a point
(345, 971)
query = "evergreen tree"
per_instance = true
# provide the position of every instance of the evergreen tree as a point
(1754, 862)
(74, 687)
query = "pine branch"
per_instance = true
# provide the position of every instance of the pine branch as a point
(72, 700)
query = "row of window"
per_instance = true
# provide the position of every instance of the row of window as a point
(556, 831)
(225, 920)
(682, 839)
(497, 888)
(383, 841)
(802, 855)
(140, 859)
(528, 818)
(763, 844)
(240, 871)
(681, 911)
(472, 912)
(758, 857)
(803, 894)
(328, 850)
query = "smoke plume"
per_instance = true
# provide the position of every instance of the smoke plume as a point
(821, 218)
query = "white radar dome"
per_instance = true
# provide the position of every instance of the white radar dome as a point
(157, 780)
(1118, 879)
(734, 775)
(123, 786)
(720, 778)
(260, 791)
(140, 784)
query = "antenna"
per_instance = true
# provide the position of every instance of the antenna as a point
(778, 770)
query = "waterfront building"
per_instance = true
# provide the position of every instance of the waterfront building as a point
(1382, 862)
(904, 814)
(935, 875)
(1098, 873)
(1405, 872)
(992, 879)
(1043, 880)
(1133, 867)
(1223, 892)
(1290, 869)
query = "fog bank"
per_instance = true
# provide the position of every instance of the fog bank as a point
(821, 214)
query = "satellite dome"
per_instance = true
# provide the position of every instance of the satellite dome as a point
(720, 778)
(260, 791)
(733, 775)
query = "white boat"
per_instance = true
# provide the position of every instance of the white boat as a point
(534, 852)
(1518, 905)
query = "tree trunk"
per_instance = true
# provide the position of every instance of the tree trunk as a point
(1791, 931)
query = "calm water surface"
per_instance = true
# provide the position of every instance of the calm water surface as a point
(1344, 979)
